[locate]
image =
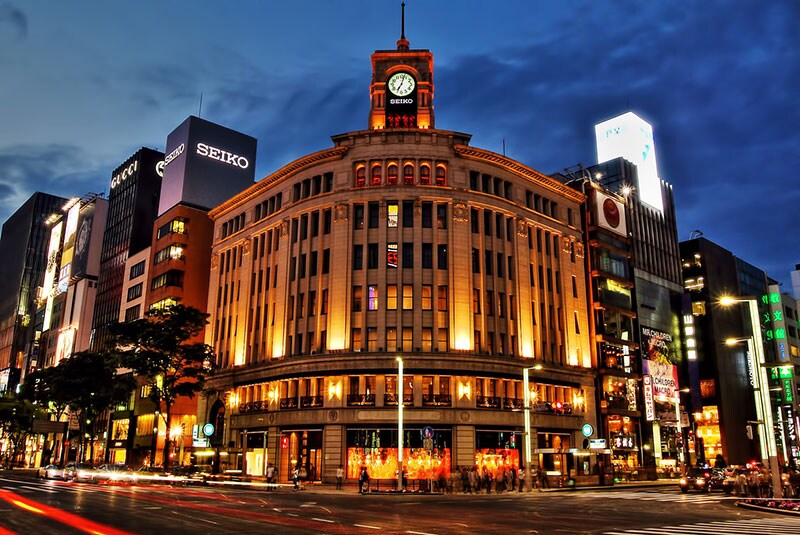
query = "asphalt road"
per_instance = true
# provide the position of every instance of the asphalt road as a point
(42, 507)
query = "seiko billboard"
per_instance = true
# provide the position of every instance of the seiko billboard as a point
(205, 164)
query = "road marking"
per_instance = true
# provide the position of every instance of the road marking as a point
(784, 525)
(419, 533)
(366, 526)
(322, 520)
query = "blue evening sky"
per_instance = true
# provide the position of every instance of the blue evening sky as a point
(84, 84)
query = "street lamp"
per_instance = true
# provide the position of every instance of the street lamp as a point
(769, 450)
(400, 380)
(527, 414)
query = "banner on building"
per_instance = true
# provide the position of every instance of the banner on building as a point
(649, 403)
(664, 378)
(658, 346)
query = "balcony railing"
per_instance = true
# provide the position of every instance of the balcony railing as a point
(254, 406)
(391, 399)
(555, 407)
(488, 402)
(310, 401)
(436, 400)
(289, 403)
(361, 399)
(513, 403)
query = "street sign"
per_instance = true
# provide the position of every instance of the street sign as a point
(208, 430)
(427, 432)
(587, 430)
(597, 443)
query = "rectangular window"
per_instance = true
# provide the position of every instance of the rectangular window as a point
(427, 297)
(373, 214)
(408, 297)
(489, 303)
(392, 214)
(574, 286)
(476, 301)
(304, 226)
(133, 313)
(326, 261)
(358, 216)
(441, 298)
(312, 303)
(474, 220)
(372, 339)
(176, 226)
(476, 260)
(373, 297)
(312, 265)
(358, 256)
(427, 339)
(441, 216)
(135, 291)
(301, 266)
(441, 340)
(314, 224)
(408, 255)
(500, 265)
(326, 221)
(488, 260)
(408, 214)
(441, 256)
(137, 270)
(323, 308)
(408, 338)
(427, 256)
(487, 223)
(357, 296)
(391, 339)
(355, 341)
(391, 297)
(372, 256)
(427, 214)
(499, 225)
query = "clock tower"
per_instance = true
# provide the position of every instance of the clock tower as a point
(401, 92)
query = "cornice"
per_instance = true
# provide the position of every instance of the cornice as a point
(513, 166)
(322, 156)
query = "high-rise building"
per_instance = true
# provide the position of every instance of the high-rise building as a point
(400, 243)
(132, 207)
(24, 244)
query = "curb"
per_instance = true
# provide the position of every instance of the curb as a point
(766, 509)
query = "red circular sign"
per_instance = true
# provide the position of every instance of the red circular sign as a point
(611, 213)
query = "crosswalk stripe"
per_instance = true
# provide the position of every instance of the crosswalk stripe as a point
(758, 526)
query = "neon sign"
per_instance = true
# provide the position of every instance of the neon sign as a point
(124, 175)
(222, 156)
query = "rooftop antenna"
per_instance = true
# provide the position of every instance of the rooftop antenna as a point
(200, 110)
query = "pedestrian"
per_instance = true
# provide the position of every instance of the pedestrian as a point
(296, 478)
(270, 476)
(545, 483)
(473, 480)
(339, 477)
(464, 480)
(487, 480)
(521, 477)
(363, 481)
(404, 478)
(513, 473)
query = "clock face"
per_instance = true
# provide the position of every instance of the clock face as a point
(401, 84)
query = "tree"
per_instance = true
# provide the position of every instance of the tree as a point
(91, 384)
(16, 424)
(159, 348)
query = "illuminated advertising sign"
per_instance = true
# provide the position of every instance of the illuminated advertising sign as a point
(63, 278)
(658, 345)
(631, 137)
(649, 403)
(391, 255)
(80, 257)
(663, 377)
(610, 214)
(124, 174)
(66, 341)
(72, 225)
(52, 259)
(205, 164)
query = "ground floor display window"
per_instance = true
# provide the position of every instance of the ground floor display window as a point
(497, 451)
(256, 457)
(377, 449)
(301, 449)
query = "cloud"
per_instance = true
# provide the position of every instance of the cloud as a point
(63, 170)
(13, 23)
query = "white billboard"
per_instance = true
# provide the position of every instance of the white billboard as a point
(610, 214)
(630, 137)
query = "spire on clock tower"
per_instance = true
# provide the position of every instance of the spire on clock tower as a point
(402, 85)
(402, 43)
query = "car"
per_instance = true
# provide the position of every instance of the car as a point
(80, 472)
(115, 473)
(702, 479)
(189, 474)
(51, 471)
(151, 473)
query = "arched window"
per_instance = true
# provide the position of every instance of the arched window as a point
(391, 174)
(408, 175)
(425, 175)
(361, 176)
(441, 178)
(377, 178)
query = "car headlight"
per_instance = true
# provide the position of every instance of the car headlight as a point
(701, 481)
(683, 481)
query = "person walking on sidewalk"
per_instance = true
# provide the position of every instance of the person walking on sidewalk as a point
(339, 477)
(521, 477)
(296, 478)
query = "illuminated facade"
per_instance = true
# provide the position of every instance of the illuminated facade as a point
(24, 244)
(399, 242)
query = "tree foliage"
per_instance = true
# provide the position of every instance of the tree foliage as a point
(16, 424)
(159, 349)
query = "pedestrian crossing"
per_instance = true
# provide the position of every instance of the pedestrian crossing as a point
(754, 526)
(657, 496)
